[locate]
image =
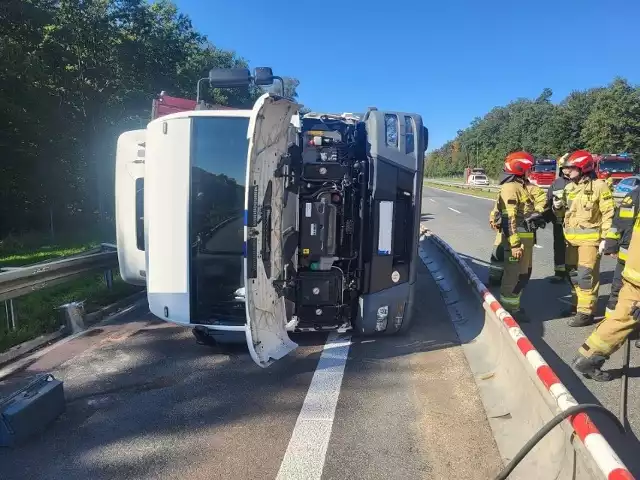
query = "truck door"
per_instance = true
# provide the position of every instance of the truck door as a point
(129, 190)
(268, 136)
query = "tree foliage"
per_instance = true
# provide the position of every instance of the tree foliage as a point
(603, 120)
(75, 74)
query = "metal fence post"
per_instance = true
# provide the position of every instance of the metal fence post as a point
(13, 315)
(108, 278)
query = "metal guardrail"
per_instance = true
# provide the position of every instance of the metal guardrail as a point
(466, 186)
(485, 188)
(16, 282)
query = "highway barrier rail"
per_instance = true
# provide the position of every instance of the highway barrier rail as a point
(16, 282)
(519, 390)
(466, 186)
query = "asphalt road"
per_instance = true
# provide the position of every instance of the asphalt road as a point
(145, 402)
(463, 221)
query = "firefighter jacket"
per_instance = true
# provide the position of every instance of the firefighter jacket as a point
(619, 235)
(538, 196)
(589, 212)
(631, 272)
(538, 203)
(609, 182)
(515, 203)
(556, 189)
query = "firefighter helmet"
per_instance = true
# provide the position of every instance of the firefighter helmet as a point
(582, 160)
(562, 160)
(518, 163)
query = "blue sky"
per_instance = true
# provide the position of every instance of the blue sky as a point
(450, 60)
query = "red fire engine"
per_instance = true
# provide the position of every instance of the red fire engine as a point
(619, 166)
(543, 172)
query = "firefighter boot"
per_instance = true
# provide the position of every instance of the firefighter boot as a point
(591, 367)
(520, 316)
(558, 277)
(580, 320)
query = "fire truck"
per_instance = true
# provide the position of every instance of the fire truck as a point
(619, 166)
(544, 172)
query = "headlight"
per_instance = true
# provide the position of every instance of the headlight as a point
(382, 318)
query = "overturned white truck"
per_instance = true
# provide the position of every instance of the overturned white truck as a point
(258, 222)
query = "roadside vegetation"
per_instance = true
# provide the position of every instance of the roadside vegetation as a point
(74, 76)
(604, 120)
(476, 192)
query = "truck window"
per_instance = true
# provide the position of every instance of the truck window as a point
(616, 166)
(409, 136)
(218, 173)
(391, 130)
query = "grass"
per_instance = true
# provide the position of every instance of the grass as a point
(36, 314)
(469, 191)
(24, 258)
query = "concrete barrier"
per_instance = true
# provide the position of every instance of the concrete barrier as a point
(519, 390)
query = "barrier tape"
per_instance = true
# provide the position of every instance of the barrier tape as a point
(605, 457)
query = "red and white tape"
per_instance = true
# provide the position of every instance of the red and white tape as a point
(604, 456)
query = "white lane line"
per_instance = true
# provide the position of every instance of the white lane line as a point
(537, 246)
(433, 200)
(305, 455)
(454, 210)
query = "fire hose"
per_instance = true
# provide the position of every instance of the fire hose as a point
(550, 426)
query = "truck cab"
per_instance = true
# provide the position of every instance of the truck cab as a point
(258, 222)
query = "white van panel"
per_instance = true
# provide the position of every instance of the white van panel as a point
(166, 200)
(130, 170)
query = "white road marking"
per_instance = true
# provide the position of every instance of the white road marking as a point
(433, 200)
(305, 455)
(537, 246)
(454, 210)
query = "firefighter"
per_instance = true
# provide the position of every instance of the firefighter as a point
(496, 261)
(613, 331)
(617, 244)
(516, 206)
(588, 213)
(608, 179)
(555, 194)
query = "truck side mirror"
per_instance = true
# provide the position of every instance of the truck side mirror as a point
(229, 77)
(263, 76)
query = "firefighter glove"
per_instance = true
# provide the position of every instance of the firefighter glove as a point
(496, 220)
(536, 220)
(517, 252)
(635, 312)
(558, 203)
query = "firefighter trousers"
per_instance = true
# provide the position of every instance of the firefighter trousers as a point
(616, 285)
(517, 273)
(496, 261)
(612, 332)
(559, 249)
(586, 283)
